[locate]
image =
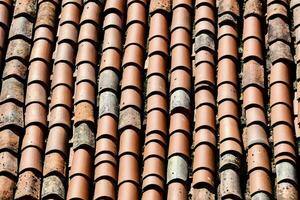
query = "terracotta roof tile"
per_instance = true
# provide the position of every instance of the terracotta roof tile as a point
(139, 99)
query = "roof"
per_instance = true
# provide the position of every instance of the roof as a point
(149, 99)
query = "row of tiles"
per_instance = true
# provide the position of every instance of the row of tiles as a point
(116, 138)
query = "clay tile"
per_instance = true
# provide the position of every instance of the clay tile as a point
(9, 140)
(65, 53)
(4, 17)
(21, 27)
(227, 47)
(31, 159)
(62, 75)
(255, 32)
(59, 116)
(106, 157)
(86, 53)
(131, 98)
(227, 71)
(253, 7)
(108, 80)
(152, 181)
(229, 129)
(25, 7)
(128, 190)
(280, 94)
(160, 5)
(281, 114)
(8, 163)
(230, 185)
(283, 133)
(129, 143)
(256, 134)
(112, 39)
(278, 30)
(280, 74)
(253, 98)
(283, 2)
(231, 146)
(204, 27)
(297, 32)
(258, 158)
(108, 127)
(91, 13)
(28, 186)
(296, 16)
(205, 121)
(128, 170)
(54, 163)
(78, 188)
(11, 115)
(136, 13)
(111, 58)
(204, 56)
(158, 27)
(204, 136)
(284, 149)
(33, 137)
(133, 55)
(205, 13)
(53, 186)
(36, 93)
(276, 10)
(180, 3)
(88, 32)
(179, 122)
(153, 149)
(3, 33)
(204, 41)
(181, 18)
(228, 6)
(157, 66)
(12, 90)
(18, 49)
(43, 33)
(46, 15)
(36, 113)
(179, 100)
(227, 92)
(105, 170)
(205, 74)
(104, 189)
(294, 4)
(260, 182)
(177, 190)
(68, 33)
(227, 109)
(180, 37)
(131, 78)
(106, 145)
(179, 144)
(156, 84)
(156, 102)
(84, 112)
(158, 46)
(255, 115)
(180, 58)
(254, 74)
(204, 97)
(41, 50)
(76, 2)
(86, 73)
(156, 122)
(227, 30)
(114, 6)
(7, 188)
(70, 14)
(204, 158)
(81, 164)
(180, 79)
(108, 102)
(156, 138)
(58, 100)
(113, 20)
(280, 51)
(135, 35)
(130, 117)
